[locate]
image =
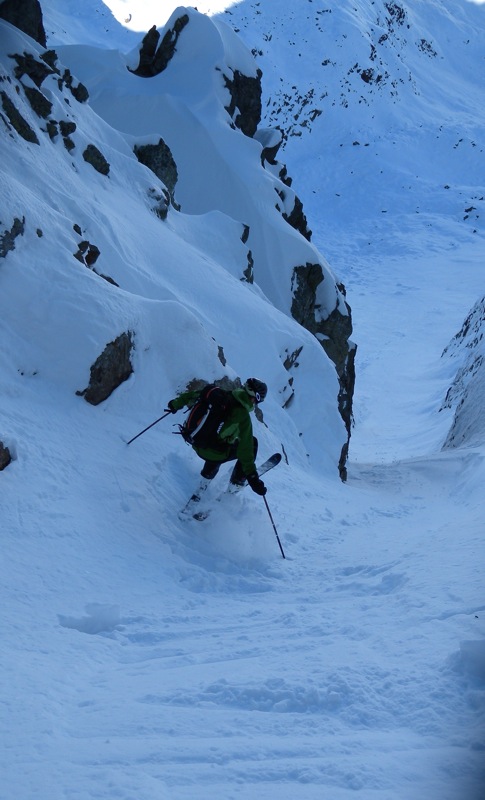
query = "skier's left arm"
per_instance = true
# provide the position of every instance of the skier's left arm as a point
(182, 400)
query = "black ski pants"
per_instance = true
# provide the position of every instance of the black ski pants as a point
(211, 468)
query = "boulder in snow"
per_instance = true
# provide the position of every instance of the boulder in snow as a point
(109, 370)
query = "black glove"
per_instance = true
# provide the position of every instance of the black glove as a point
(171, 407)
(257, 484)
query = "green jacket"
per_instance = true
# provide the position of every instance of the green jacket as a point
(237, 429)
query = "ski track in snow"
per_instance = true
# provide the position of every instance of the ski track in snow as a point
(252, 671)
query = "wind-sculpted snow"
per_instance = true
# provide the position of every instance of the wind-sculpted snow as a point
(218, 169)
(175, 287)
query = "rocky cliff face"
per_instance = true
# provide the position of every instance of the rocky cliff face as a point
(25, 15)
(331, 326)
(198, 163)
(465, 395)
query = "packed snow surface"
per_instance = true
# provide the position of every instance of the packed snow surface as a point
(146, 658)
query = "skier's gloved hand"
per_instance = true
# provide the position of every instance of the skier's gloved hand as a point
(257, 484)
(171, 407)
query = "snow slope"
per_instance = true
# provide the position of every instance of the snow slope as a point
(390, 172)
(148, 658)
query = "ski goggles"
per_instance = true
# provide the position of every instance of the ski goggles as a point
(256, 395)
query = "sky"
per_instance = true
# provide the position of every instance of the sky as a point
(145, 656)
(140, 16)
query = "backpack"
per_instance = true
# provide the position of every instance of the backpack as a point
(206, 417)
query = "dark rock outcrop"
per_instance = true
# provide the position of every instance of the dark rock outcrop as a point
(5, 457)
(155, 55)
(297, 219)
(38, 101)
(158, 158)
(37, 71)
(79, 91)
(17, 121)
(67, 128)
(306, 279)
(271, 140)
(333, 333)
(467, 391)
(87, 253)
(26, 15)
(109, 370)
(245, 100)
(248, 273)
(97, 160)
(161, 198)
(7, 238)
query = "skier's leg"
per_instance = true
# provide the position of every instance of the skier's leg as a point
(238, 477)
(210, 469)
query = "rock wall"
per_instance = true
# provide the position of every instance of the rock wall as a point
(25, 15)
(467, 392)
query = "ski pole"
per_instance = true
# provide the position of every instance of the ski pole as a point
(274, 526)
(148, 427)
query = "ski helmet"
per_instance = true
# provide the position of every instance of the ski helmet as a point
(256, 389)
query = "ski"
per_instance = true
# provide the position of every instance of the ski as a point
(272, 461)
(233, 488)
(189, 508)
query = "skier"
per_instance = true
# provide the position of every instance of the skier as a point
(235, 440)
